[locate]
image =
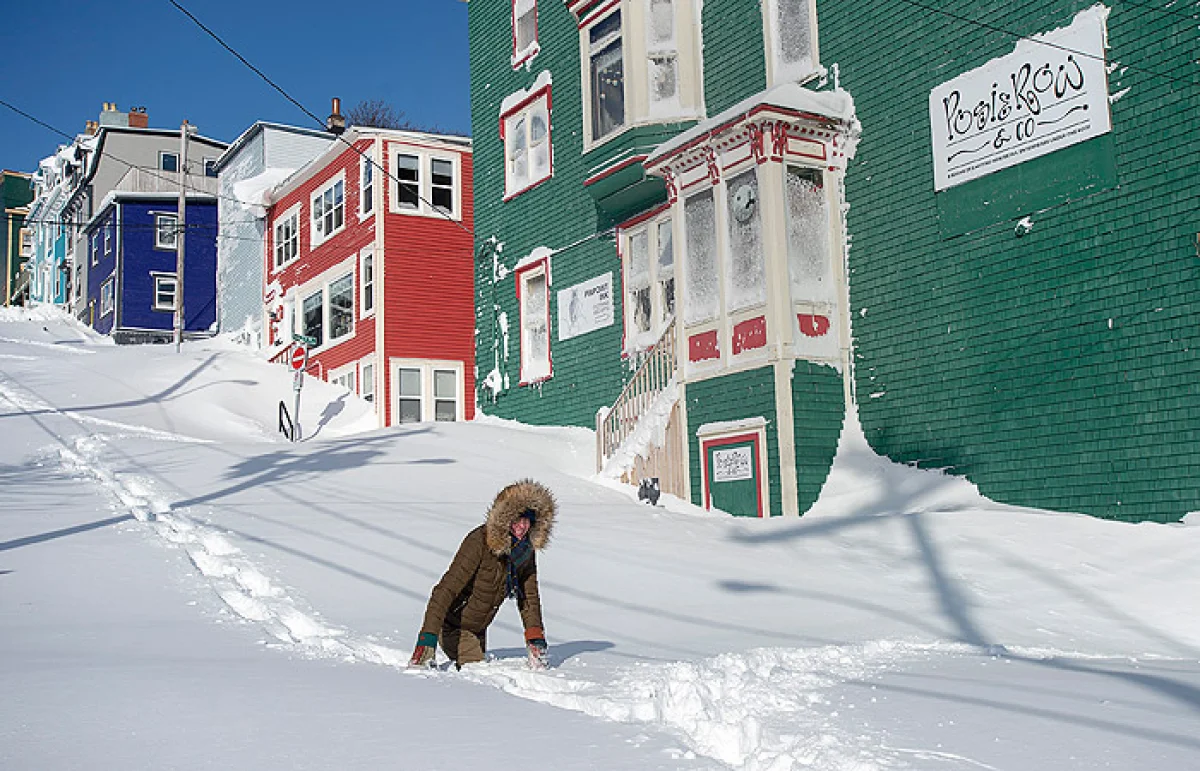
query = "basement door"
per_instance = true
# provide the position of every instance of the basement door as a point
(732, 475)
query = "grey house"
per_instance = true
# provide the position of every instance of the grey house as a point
(263, 156)
(125, 155)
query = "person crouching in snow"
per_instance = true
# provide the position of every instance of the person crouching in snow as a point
(496, 560)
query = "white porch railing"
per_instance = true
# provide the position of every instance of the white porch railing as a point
(138, 180)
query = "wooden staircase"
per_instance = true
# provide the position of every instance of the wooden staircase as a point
(642, 434)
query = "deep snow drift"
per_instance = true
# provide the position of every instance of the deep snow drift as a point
(155, 528)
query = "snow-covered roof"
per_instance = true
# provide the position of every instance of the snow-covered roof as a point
(260, 126)
(836, 104)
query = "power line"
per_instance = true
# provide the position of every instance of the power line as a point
(312, 115)
(1019, 36)
(106, 154)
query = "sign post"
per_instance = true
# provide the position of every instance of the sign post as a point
(298, 359)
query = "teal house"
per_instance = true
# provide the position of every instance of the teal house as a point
(714, 231)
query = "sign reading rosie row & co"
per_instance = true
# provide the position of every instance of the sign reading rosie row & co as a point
(1050, 93)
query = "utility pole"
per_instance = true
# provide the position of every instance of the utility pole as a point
(181, 232)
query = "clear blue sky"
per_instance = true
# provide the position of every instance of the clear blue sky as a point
(60, 60)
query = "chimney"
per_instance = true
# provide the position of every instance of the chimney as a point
(90, 128)
(111, 116)
(138, 118)
(336, 122)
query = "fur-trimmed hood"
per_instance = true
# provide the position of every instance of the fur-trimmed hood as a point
(510, 503)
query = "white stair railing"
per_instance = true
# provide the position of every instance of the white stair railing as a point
(615, 425)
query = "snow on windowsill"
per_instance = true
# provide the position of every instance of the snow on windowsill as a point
(514, 100)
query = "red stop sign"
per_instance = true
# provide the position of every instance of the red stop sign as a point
(299, 354)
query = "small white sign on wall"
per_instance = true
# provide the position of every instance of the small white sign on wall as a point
(585, 307)
(1050, 93)
(733, 465)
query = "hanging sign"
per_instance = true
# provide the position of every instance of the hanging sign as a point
(585, 307)
(732, 465)
(1050, 93)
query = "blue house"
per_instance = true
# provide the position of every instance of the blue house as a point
(131, 253)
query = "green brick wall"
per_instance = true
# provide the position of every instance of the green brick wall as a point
(1059, 369)
(819, 409)
(738, 396)
(588, 370)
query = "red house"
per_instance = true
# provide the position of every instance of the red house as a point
(369, 252)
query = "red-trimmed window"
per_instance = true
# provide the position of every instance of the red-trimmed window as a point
(524, 31)
(648, 259)
(533, 299)
(528, 150)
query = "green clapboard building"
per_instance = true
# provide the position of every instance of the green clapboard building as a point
(705, 229)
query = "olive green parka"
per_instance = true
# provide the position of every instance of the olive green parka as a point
(473, 588)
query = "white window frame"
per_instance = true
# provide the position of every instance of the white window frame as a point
(638, 49)
(364, 364)
(340, 375)
(108, 232)
(291, 215)
(320, 285)
(160, 221)
(587, 53)
(779, 71)
(534, 370)
(366, 297)
(318, 235)
(159, 280)
(425, 157)
(108, 296)
(427, 368)
(162, 161)
(366, 185)
(209, 163)
(96, 246)
(517, 125)
(523, 55)
(660, 318)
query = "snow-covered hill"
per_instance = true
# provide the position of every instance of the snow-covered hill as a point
(180, 587)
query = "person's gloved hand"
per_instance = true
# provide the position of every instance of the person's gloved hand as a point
(535, 643)
(424, 652)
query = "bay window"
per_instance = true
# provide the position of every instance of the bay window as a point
(341, 307)
(747, 276)
(809, 263)
(649, 281)
(607, 79)
(702, 298)
(327, 306)
(641, 64)
(313, 318)
(791, 43)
